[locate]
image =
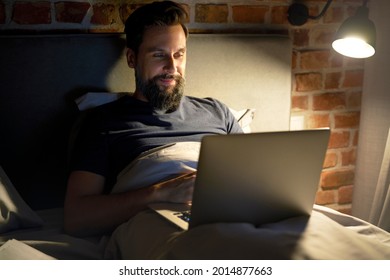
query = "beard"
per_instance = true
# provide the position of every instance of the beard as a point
(161, 97)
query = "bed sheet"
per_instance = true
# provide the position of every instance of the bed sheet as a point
(51, 239)
(325, 235)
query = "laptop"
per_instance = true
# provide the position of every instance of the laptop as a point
(253, 178)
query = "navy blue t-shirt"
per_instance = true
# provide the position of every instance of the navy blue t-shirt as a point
(114, 134)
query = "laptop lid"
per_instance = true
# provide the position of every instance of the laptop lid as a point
(258, 177)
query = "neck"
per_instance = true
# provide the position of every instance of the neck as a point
(138, 95)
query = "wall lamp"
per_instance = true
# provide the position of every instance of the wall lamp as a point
(356, 36)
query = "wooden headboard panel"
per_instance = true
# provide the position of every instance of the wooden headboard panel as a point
(40, 76)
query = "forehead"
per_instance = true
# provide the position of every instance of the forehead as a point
(164, 37)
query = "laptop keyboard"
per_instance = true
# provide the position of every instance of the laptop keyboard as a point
(184, 215)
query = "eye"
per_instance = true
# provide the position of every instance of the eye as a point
(179, 54)
(159, 54)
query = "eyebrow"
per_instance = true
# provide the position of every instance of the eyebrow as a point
(157, 49)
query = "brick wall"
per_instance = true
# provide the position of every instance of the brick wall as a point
(326, 88)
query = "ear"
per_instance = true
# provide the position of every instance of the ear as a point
(131, 58)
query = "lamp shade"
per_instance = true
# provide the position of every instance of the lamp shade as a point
(356, 36)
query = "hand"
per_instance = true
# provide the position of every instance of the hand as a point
(178, 189)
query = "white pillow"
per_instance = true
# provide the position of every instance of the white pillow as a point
(14, 211)
(94, 99)
(244, 118)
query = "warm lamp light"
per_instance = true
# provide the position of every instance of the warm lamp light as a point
(356, 36)
(353, 47)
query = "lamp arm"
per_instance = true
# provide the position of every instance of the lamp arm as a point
(323, 10)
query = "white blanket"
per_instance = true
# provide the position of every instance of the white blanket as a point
(158, 164)
(326, 234)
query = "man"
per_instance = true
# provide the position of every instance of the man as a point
(156, 114)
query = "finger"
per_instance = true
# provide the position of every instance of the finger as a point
(187, 175)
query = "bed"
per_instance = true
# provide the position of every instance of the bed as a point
(48, 81)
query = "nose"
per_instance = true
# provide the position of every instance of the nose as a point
(170, 65)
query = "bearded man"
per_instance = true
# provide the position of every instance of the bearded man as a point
(156, 114)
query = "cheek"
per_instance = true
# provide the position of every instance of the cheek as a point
(181, 68)
(153, 69)
(148, 71)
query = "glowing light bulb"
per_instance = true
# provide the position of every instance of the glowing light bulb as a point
(353, 47)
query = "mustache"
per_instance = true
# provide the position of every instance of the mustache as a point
(168, 76)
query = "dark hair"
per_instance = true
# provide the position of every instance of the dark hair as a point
(163, 13)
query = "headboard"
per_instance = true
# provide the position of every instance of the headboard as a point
(40, 76)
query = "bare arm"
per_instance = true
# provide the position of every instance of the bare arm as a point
(88, 211)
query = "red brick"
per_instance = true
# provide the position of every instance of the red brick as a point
(347, 120)
(331, 160)
(313, 60)
(300, 102)
(31, 13)
(323, 37)
(353, 78)
(332, 80)
(329, 101)
(334, 15)
(103, 14)
(337, 60)
(249, 14)
(211, 13)
(301, 37)
(279, 15)
(308, 81)
(294, 59)
(325, 197)
(313, 10)
(339, 139)
(126, 10)
(337, 178)
(348, 157)
(318, 120)
(187, 8)
(359, 2)
(353, 63)
(345, 194)
(73, 12)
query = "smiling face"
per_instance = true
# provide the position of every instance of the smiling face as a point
(160, 65)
